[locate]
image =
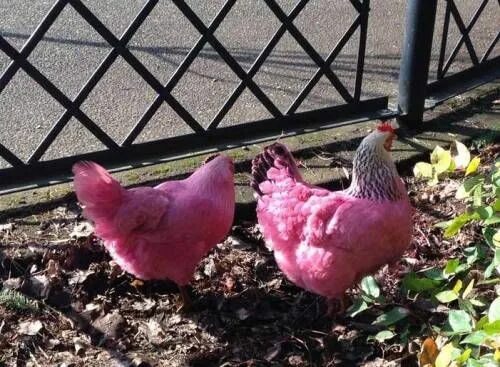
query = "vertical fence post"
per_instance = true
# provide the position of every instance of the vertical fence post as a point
(413, 74)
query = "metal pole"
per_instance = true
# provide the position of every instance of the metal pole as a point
(420, 17)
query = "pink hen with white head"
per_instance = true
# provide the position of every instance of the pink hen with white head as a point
(325, 241)
(160, 232)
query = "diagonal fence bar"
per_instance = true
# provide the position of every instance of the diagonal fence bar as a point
(226, 56)
(51, 89)
(416, 93)
(212, 137)
(33, 41)
(321, 71)
(135, 64)
(259, 61)
(10, 157)
(313, 54)
(92, 82)
(465, 34)
(490, 47)
(181, 70)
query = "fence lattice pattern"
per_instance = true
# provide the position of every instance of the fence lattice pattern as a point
(452, 11)
(73, 108)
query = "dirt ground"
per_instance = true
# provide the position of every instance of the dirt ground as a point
(82, 310)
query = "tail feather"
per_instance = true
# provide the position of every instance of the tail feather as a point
(96, 190)
(274, 163)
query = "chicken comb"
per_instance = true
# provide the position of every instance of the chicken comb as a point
(385, 126)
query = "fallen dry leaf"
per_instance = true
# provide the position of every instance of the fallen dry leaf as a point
(30, 327)
(145, 306)
(155, 332)
(428, 353)
(53, 268)
(6, 227)
(82, 230)
(110, 325)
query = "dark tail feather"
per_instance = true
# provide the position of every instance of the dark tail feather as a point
(275, 155)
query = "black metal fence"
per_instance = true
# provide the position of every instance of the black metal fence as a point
(483, 68)
(126, 152)
(413, 92)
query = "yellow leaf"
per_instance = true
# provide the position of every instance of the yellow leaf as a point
(462, 159)
(436, 153)
(497, 355)
(458, 286)
(468, 289)
(473, 165)
(452, 166)
(444, 357)
(428, 353)
(422, 169)
(496, 238)
(441, 159)
(464, 356)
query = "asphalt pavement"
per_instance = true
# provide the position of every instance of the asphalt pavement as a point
(71, 50)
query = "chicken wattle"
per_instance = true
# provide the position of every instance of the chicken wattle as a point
(159, 232)
(325, 241)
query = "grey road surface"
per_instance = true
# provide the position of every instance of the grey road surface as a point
(71, 50)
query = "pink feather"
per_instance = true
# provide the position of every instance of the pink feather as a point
(325, 241)
(161, 232)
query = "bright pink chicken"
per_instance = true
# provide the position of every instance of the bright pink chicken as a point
(161, 232)
(324, 241)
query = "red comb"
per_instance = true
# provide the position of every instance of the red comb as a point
(385, 126)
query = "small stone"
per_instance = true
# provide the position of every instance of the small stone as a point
(155, 332)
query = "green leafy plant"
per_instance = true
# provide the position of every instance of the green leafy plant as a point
(482, 196)
(370, 295)
(471, 332)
